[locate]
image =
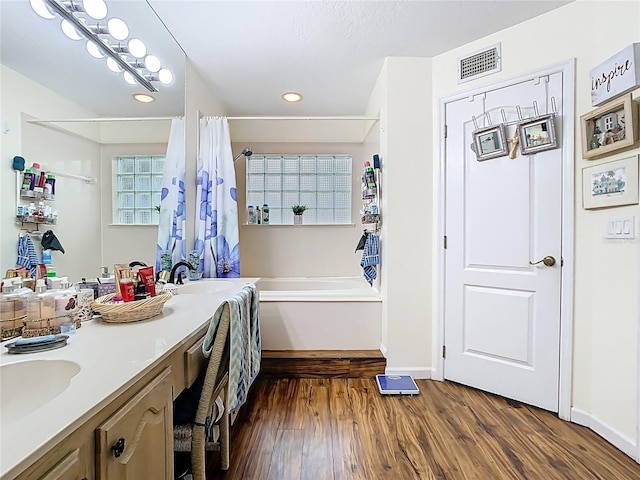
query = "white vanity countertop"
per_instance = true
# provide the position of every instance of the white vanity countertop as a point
(111, 358)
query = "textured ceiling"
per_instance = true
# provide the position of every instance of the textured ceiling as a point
(250, 52)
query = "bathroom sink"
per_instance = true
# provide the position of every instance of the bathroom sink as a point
(204, 286)
(27, 386)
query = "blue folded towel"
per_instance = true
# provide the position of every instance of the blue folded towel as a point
(370, 257)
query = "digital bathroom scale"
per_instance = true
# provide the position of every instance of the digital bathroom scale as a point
(396, 385)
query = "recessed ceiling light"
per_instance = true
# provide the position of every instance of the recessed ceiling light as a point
(291, 96)
(143, 97)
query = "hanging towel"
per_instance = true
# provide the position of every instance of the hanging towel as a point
(27, 256)
(245, 350)
(370, 257)
(362, 241)
(50, 242)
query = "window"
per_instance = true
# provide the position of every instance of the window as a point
(137, 184)
(320, 182)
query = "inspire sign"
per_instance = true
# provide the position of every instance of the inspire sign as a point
(617, 75)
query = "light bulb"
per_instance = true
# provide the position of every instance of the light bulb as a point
(137, 48)
(113, 65)
(152, 63)
(165, 76)
(117, 28)
(94, 50)
(96, 9)
(129, 78)
(41, 9)
(70, 31)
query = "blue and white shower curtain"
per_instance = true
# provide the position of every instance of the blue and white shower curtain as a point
(171, 226)
(217, 236)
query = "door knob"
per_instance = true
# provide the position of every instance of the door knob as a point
(549, 261)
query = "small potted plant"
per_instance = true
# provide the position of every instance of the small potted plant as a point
(298, 210)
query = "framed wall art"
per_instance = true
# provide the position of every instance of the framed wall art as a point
(537, 134)
(609, 128)
(611, 184)
(489, 142)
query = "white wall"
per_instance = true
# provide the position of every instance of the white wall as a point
(78, 203)
(605, 361)
(402, 97)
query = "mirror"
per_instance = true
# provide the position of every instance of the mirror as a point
(36, 48)
(47, 76)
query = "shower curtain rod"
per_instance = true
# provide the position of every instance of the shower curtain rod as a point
(97, 119)
(303, 118)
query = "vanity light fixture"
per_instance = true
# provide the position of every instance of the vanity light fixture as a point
(108, 38)
(291, 97)
(143, 98)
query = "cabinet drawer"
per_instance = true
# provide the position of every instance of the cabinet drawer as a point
(194, 362)
(70, 467)
(136, 442)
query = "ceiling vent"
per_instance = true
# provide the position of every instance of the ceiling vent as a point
(479, 64)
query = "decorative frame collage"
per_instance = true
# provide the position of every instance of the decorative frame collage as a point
(534, 135)
(611, 128)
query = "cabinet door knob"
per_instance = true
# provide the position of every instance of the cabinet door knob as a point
(118, 448)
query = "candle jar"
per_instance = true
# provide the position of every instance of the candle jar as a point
(194, 260)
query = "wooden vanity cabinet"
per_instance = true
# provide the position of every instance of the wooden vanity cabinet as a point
(136, 442)
(73, 466)
(142, 417)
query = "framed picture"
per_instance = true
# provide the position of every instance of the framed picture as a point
(537, 134)
(489, 142)
(609, 127)
(611, 184)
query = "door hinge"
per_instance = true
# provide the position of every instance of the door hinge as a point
(561, 262)
(444, 241)
(445, 131)
(444, 351)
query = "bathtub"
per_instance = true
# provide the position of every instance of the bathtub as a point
(326, 313)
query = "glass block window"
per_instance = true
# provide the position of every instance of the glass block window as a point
(321, 182)
(137, 186)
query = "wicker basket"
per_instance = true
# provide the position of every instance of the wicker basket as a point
(9, 330)
(129, 311)
(46, 326)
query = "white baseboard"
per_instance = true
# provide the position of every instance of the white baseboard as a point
(383, 350)
(617, 439)
(419, 373)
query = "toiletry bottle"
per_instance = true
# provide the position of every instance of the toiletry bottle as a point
(7, 304)
(258, 216)
(46, 257)
(50, 187)
(251, 215)
(47, 300)
(369, 175)
(26, 182)
(33, 309)
(265, 214)
(126, 286)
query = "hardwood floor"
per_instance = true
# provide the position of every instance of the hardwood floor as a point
(317, 429)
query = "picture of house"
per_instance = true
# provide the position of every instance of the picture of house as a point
(609, 182)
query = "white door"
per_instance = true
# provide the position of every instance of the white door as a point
(502, 314)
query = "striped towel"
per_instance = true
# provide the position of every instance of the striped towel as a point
(245, 350)
(27, 256)
(370, 257)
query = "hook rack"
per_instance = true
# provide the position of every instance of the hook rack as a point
(554, 111)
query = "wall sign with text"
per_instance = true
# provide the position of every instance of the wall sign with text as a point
(617, 75)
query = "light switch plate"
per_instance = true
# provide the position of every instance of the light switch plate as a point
(621, 228)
